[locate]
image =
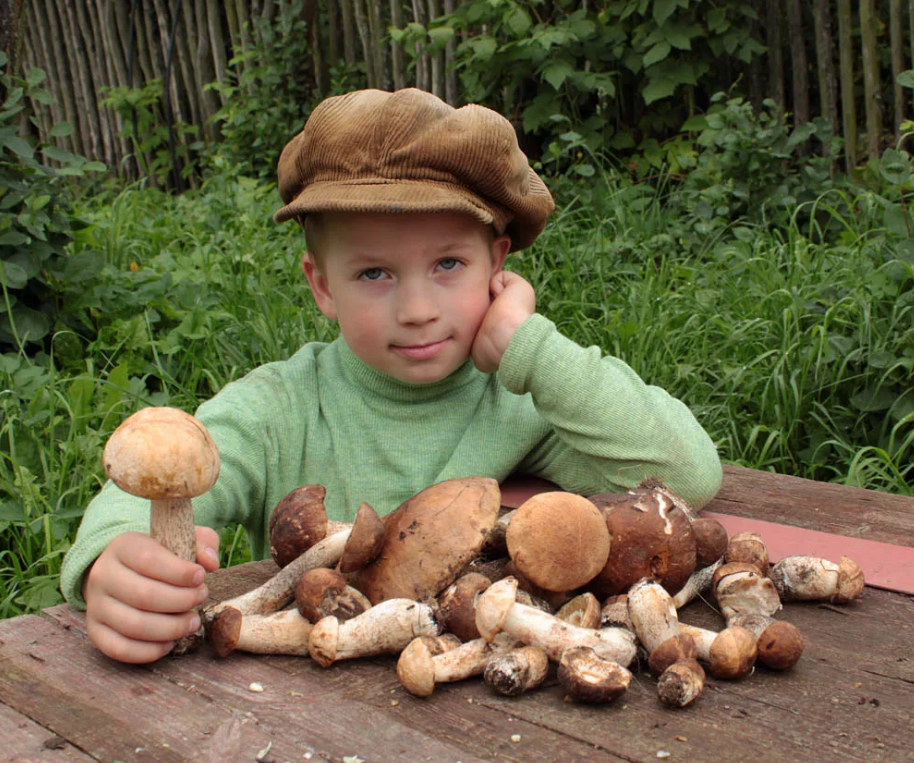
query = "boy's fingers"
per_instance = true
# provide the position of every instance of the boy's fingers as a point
(207, 548)
(146, 626)
(123, 649)
(149, 559)
(149, 595)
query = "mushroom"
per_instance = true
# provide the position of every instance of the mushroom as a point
(322, 592)
(657, 626)
(365, 542)
(386, 628)
(430, 538)
(457, 605)
(497, 610)
(583, 610)
(681, 683)
(615, 613)
(779, 643)
(285, 632)
(710, 541)
(558, 541)
(740, 589)
(749, 548)
(298, 521)
(518, 671)
(651, 538)
(279, 590)
(589, 678)
(167, 456)
(730, 654)
(420, 669)
(809, 578)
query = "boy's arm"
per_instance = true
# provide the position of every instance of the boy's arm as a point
(611, 429)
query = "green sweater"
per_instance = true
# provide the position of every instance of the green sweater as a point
(554, 409)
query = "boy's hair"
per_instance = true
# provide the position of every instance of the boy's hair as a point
(409, 151)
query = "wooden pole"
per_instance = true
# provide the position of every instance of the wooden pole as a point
(799, 66)
(349, 31)
(451, 88)
(828, 84)
(423, 65)
(871, 79)
(846, 65)
(896, 36)
(775, 56)
(398, 61)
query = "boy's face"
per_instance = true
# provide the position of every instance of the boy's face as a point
(409, 290)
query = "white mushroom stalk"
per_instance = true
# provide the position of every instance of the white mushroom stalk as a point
(520, 670)
(656, 623)
(284, 632)
(699, 583)
(681, 683)
(497, 610)
(386, 628)
(809, 578)
(419, 670)
(280, 589)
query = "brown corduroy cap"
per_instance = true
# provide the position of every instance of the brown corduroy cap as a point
(409, 151)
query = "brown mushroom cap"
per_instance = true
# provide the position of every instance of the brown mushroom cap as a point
(674, 649)
(430, 538)
(851, 581)
(748, 548)
(732, 653)
(225, 630)
(558, 540)
(162, 453)
(780, 645)
(589, 678)
(457, 605)
(365, 541)
(298, 521)
(322, 592)
(710, 541)
(583, 611)
(651, 538)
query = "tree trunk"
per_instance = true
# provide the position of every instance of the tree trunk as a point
(799, 65)
(333, 33)
(423, 66)
(828, 85)
(871, 80)
(361, 22)
(398, 62)
(848, 105)
(349, 31)
(103, 76)
(61, 34)
(113, 53)
(775, 56)
(437, 57)
(896, 33)
(216, 39)
(60, 107)
(376, 30)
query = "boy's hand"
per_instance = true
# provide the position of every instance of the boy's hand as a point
(140, 598)
(513, 301)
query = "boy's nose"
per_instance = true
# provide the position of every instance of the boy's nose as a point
(417, 305)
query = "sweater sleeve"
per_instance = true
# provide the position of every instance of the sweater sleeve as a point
(244, 434)
(610, 429)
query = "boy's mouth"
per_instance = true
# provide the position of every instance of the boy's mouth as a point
(420, 351)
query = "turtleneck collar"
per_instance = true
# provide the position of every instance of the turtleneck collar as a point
(362, 375)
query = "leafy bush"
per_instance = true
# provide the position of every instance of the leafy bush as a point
(37, 221)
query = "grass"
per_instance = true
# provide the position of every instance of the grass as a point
(794, 346)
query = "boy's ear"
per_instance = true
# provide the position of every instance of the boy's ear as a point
(501, 245)
(319, 286)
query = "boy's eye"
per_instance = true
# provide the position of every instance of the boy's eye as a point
(372, 274)
(448, 263)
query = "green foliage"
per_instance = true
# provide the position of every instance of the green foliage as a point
(270, 94)
(561, 68)
(37, 221)
(151, 140)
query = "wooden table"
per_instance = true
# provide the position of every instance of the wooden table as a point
(851, 697)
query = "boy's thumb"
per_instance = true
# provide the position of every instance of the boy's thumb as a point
(207, 548)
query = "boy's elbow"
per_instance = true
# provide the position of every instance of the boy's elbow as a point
(705, 480)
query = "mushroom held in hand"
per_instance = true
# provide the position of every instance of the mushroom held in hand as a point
(167, 456)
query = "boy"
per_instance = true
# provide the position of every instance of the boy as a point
(443, 368)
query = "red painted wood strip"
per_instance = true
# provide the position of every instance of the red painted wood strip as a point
(884, 565)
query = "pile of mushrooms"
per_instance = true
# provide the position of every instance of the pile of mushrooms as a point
(458, 587)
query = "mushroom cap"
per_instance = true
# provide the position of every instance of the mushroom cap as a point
(558, 540)
(780, 645)
(583, 611)
(710, 541)
(748, 548)
(322, 592)
(298, 521)
(457, 605)
(492, 607)
(741, 590)
(589, 678)
(651, 537)
(162, 453)
(365, 541)
(732, 653)
(416, 668)
(681, 683)
(225, 630)
(676, 648)
(430, 538)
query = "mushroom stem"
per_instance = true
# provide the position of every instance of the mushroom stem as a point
(497, 610)
(171, 523)
(518, 671)
(279, 590)
(681, 683)
(656, 623)
(386, 628)
(284, 632)
(699, 582)
(809, 578)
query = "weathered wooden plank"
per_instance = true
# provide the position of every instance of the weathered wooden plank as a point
(814, 505)
(24, 741)
(120, 712)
